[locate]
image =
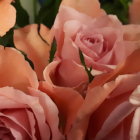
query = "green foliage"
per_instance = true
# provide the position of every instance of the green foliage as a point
(48, 12)
(27, 59)
(22, 17)
(52, 51)
(90, 76)
(117, 7)
(7, 40)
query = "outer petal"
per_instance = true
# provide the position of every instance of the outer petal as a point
(135, 127)
(7, 16)
(89, 7)
(51, 113)
(116, 116)
(127, 66)
(15, 71)
(32, 103)
(67, 99)
(131, 32)
(28, 40)
(134, 12)
(93, 100)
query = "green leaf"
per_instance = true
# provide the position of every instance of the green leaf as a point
(7, 40)
(52, 51)
(117, 7)
(22, 16)
(48, 12)
(90, 76)
(27, 59)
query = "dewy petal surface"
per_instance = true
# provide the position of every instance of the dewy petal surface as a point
(7, 16)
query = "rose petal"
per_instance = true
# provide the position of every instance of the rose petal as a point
(51, 113)
(34, 104)
(135, 97)
(125, 67)
(28, 40)
(93, 100)
(116, 116)
(135, 127)
(66, 14)
(131, 32)
(134, 12)
(61, 96)
(64, 78)
(7, 16)
(13, 65)
(89, 7)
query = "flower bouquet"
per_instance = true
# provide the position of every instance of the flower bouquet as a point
(71, 73)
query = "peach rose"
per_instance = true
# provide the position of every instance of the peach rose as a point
(35, 44)
(7, 16)
(115, 113)
(25, 112)
(66, 83)
(100, 39)
(134, 12)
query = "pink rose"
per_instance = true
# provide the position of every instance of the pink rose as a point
(115, 112)
(7, 16)
(100, 39)
(25, 112)
(134, 12)
(27, 117)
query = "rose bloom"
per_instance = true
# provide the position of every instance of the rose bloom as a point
(100, 39)
(25, 112)
(98, 36)
(7, 16)
(118, 116)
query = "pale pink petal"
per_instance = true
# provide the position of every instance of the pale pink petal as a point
(7, 16)
(15, 71)
(116, 116)
(135, 97)
(133, 80)
(34, 104)
(32, 124)
(66, 14)
(28, 40)
(17, 132)
(125, 67)
(134, 12)
(51, 113)
(89, 7)
(135, 127)
(9, 104)
(12, 121)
